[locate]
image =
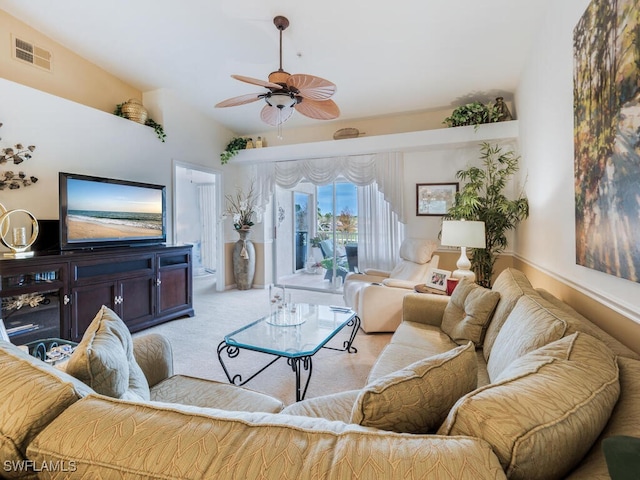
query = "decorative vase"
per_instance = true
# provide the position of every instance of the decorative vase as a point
(244, 261)
(134, 110)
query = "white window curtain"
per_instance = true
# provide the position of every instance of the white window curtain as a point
(380, 232)
(381, 210)
(207, 203)
(384, 169)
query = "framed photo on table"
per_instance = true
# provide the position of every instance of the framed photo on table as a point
(437, 279)
(435, 198)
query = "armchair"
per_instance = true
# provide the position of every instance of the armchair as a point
(376, 295)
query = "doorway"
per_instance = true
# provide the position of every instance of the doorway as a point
(197, 208)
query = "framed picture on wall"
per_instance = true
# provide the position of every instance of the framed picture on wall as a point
(435, 198)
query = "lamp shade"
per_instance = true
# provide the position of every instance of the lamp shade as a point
(463, 233)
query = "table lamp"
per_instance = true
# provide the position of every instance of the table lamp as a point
(464, 234)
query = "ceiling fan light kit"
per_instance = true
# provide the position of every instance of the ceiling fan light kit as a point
(307, 94)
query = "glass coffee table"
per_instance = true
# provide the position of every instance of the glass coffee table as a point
(297, 338)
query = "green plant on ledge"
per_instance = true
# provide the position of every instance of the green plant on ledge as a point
(482, 198)
(474, 113)
(149, 123)
(233, 147)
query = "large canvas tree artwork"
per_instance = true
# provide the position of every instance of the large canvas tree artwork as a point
(607, 137)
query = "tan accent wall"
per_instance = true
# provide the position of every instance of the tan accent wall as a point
(72, 77)
(448, 261)
(624, 329)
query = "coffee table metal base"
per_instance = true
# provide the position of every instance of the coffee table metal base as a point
(297, 363)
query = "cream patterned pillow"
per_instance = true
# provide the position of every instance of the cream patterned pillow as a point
(417, 398)
(104, 359)
(545, 410)
(468, 312)
(529, 326)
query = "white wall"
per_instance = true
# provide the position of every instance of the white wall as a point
(72, 137)
(440, 166)
(544, 101)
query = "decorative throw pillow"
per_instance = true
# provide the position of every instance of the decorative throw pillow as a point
(529, 326)
(417, 398)
(543, 413)
(468, 312)
(104, 359)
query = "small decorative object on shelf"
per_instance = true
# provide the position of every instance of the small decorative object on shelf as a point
(347, 133)
(259, 143)
(19, 245)
(133, 110)
(504, 115)
(233, 147)
(16, 154)
(249, 143)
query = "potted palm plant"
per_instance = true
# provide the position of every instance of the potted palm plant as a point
(482, 198)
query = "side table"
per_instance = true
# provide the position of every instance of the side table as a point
(423, 288)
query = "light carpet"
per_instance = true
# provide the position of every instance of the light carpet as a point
(195, 340)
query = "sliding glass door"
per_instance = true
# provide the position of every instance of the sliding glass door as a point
(316, 235)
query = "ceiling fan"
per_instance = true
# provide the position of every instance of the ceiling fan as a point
(307, 94)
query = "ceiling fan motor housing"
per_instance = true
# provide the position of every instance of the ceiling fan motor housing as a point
(279, 76)
(281, 99)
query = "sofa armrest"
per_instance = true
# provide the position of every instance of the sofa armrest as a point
(380, 307)
(377, 273)
(397, 283)
(426, 308)
(154, 355)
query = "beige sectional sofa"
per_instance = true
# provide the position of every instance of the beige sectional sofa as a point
(528, 393)
(551, 385)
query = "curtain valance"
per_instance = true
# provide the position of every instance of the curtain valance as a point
(384, 169)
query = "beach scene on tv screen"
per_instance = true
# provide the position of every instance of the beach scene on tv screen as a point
(108, 211)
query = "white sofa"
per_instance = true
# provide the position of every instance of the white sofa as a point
(377, 295)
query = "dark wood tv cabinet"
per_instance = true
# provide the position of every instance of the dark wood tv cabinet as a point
(145, 286)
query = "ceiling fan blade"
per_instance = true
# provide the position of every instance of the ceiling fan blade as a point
(241, 100)
(255, 81)
(274, 116)
(315, 88)
(320, 110)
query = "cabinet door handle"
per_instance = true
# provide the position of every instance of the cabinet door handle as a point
(66, 300)
(158, 282)
(117, 300)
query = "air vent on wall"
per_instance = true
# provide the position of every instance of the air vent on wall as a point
(31, 53)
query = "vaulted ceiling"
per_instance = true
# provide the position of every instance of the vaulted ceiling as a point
(385, 57)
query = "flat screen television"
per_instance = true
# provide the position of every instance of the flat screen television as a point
(102, 212)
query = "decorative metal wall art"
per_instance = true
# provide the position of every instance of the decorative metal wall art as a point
(16, 154)
(606, 90)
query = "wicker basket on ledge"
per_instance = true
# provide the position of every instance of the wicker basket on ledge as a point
(134, 110)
